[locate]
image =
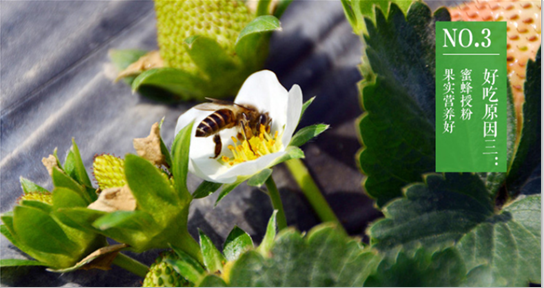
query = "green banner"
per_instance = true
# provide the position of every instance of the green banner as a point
(471, 97)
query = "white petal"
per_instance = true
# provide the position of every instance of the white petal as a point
(294, 109)
(190, 115)
(263, 90)
(248, 168)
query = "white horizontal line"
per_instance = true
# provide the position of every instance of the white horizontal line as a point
(477, 54)
(489, 140)
(490, 153)
(490, 147)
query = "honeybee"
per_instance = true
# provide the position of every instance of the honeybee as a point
(228, 115)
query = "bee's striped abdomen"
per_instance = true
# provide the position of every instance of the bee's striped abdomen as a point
(215, 122)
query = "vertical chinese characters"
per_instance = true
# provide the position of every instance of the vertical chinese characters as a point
(449, 97)
(490, 117)
(466, 94)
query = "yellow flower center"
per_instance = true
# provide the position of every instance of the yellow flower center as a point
(250, 149)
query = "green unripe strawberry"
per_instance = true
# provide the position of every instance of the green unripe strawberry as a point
(44, 197)
(109, 171)
(162, 274)
(178, 20)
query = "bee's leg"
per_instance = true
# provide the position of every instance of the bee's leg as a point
(244, 127)
(218, 146)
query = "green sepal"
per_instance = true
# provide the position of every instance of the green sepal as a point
(151, 188)
(176, 81)
(307, 133)
(74, 167)
(180, 168)
(227, 188)
(305, 107)
(258, 179)
(252, 43)
(263, 7)
(66, 198)
(206, 188)
(164, 149)
(29, 186)
(46, 208)
(79, 218)
(210, 57)
(281, 6)
(213, 259)
(62, 180)
(237, 243)
(270, 235)
(36, 229)
(187, 266)
(121, 59)
(212, 281)
(292, 153)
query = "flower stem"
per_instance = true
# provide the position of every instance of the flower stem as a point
(311, 191)
(189, 245)
(131, 265)
(274, 195)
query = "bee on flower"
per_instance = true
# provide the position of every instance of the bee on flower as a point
(249, 135)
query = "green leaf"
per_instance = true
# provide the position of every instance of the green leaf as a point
(252, 43)
(398, 93)
(205, 188)
(20, 262)
(458, 210)
(151, 187)
(29, 186)
(325, 257)
(307, 133)
(173, 80)
(528, 153)
(213, 259)
(505, 250)
(36, 229)
(212, 281)
(258, 179)
(270, 235)
(187, 266)
(180, 168)
(237, 243)
(209, 56)
(62, 180)
(422, 269)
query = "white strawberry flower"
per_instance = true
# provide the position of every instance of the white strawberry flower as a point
(238, 160)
